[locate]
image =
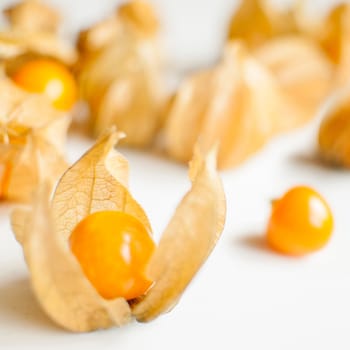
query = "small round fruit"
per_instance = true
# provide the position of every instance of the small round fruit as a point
(48, 77)
(301, 222)
(113, 249)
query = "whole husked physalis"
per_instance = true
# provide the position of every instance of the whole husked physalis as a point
(32, 142)
(33, 31)
(120, 73)
(89, 249)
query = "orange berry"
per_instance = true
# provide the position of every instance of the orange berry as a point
(113, 249)
(301, 222)
(49, 77)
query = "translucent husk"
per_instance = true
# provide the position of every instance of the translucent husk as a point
(256, 22)
(330, 31)
(96, 182)
(225, 105)
(33, 30)
(334, 132)
(333, 35)
(240, 104)
(302, 71)
(119, 73)
(32, 140)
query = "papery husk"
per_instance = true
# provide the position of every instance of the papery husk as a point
(334, 131)
(88, 186)
(343, 77)
(237, 104)
(56, 276)
(119, 73)
(187, 241)
(14, 44)
(33, 30)
(32, 141)
(256, 22)
(33, 16)
(332, 32)
(328, 30)
(98, 182)
(303, 72)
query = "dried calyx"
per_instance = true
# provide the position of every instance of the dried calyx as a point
(257, 22)
(237, 103)
(334, 132)
(246, 99)
(32, 140)
(303, 73)
(119, 73)
(98, 182)
(33, 31)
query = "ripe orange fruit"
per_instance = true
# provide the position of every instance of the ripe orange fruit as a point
(301, 222)
(113, 249)
(48, 77)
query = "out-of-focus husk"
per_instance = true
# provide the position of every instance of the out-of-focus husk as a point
(326, 30)
(33, 31)
(237, 104)
(224, 105)
(32, 140)
(256, 22)
(302, 71)
(332, 32)
(119, 73)
(343, 77)
(33, 16)
(98, 182)
(334, 132)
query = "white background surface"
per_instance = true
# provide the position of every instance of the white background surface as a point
(245, 297)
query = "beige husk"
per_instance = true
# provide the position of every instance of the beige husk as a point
(333, 35)
(256, 22)
(302, 71)
(329, 30)
(309, 56)
(239, 104)
(343, 73)
(334, 132)
(187, 241)
(271, 79)
(33, 30)
(98, 182)
(32, 140)
(119, 73)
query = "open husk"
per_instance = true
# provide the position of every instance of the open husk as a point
(334, 132)
(32, 141)
(238, 104)
(119, 73)
(33, 30)
(96, 182)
